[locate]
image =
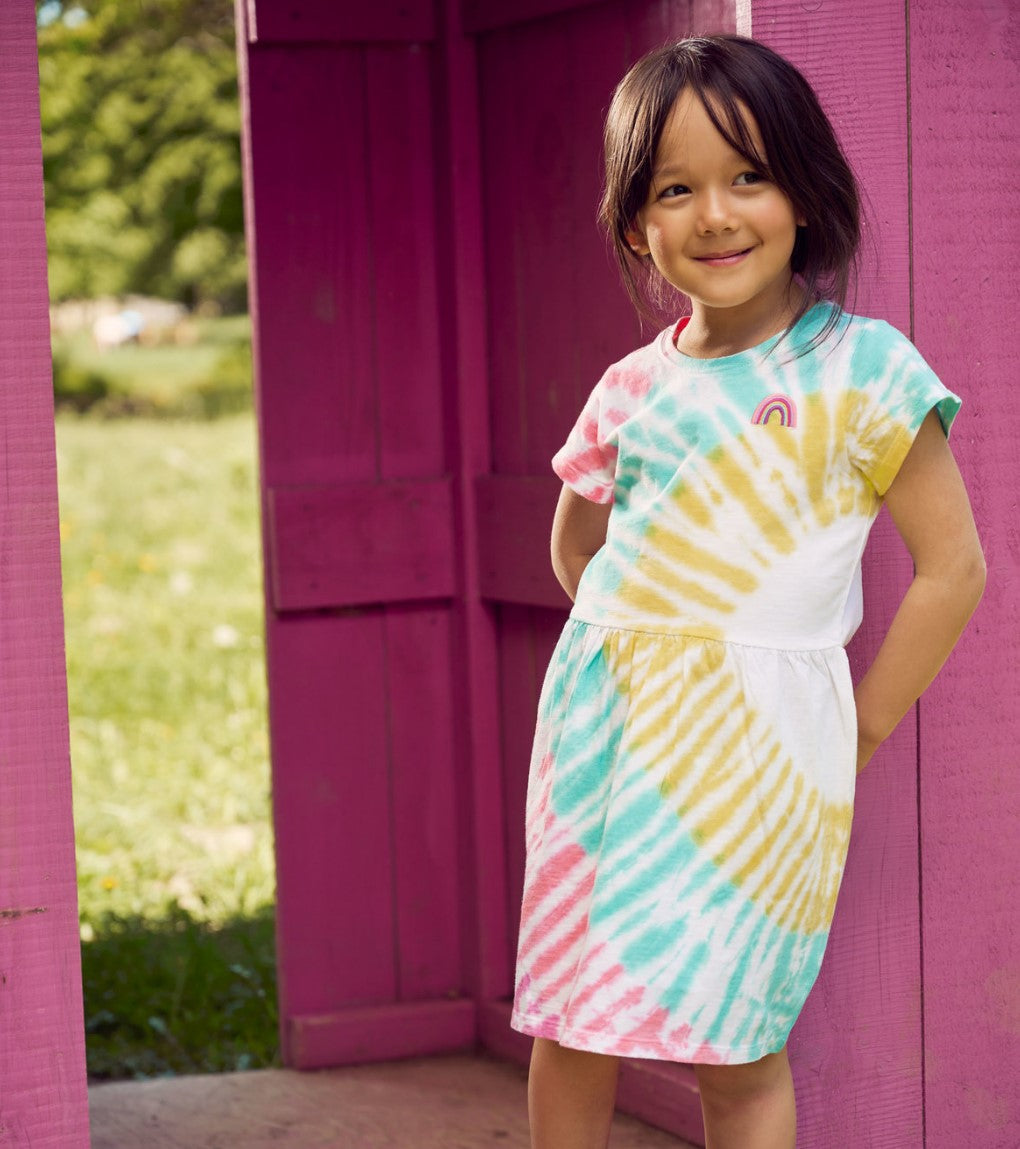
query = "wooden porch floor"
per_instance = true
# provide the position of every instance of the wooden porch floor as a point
(433, 1103)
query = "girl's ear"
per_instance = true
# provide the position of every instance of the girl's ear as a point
(636, 241)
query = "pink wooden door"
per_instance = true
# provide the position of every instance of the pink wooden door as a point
(358, 513)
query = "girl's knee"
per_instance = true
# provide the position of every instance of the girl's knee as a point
(734, 1081)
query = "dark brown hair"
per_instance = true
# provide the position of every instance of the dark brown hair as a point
(734, 76)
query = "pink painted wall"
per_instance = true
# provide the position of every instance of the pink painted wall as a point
(966, 167)
(911, 1036)
(42, 1049)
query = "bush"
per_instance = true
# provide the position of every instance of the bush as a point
(203, 377)
(76, 385)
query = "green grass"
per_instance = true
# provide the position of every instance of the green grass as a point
(166, 677)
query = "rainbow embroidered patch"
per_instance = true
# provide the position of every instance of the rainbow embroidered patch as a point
(781, 405)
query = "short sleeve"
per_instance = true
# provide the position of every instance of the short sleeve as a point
(587, 460)
(893, 389)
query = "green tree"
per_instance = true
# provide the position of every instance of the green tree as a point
(141, 149)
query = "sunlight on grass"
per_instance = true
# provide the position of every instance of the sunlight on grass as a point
(166, 675)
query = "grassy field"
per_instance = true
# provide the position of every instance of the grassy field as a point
(166, 678)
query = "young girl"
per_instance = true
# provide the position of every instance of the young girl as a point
(698, 735)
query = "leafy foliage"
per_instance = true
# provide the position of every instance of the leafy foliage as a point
(209, 1000)
(141, 149)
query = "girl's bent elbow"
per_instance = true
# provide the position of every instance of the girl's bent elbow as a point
(969, 578)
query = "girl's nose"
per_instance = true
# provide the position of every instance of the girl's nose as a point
(716, 212)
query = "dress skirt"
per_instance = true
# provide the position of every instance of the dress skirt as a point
(687, 829)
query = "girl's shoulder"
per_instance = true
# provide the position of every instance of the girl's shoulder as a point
(863, 331)
(636, 373)
(876, 347)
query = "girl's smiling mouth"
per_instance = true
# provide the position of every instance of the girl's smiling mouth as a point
(723, 258)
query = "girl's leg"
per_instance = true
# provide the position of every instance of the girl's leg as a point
(749, 1106)
(570, 1097)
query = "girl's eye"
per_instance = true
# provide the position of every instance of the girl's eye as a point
(746, 179)
(673, 191)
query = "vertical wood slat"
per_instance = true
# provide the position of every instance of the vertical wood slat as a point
(42, 1051)
(331, 800)
(464, 341)
(965, 146)
(420, 720)
(314, 265)
(856, 1050)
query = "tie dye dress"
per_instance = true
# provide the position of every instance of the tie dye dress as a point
(692, 782)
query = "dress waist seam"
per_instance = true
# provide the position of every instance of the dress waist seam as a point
(699, 637)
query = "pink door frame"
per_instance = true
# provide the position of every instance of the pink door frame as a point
(42, 1042)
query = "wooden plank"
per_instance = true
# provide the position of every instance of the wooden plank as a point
(541, 182)
(856, 1050)
(359, 543)
(426, 830)
(42, 1048)
(514, 517)
(464, 342)
(424, 1103)
(422, 710)
(965, 146)
(382, 1033)
(322, 21)
(311, 262)
(401, 174)
(331, 805)
(488, 15)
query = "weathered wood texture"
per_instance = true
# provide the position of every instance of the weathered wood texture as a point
(359, 543)
(42, 1052)
(439, 1103)
(856, 1050)
(325, 21)
(965, 147)
(485, 924)
(340, 169)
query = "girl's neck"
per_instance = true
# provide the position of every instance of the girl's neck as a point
(713, 332)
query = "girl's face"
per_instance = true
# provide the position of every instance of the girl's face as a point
(715, 228)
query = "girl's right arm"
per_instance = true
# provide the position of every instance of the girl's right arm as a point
(929, 505)
(579, 530)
